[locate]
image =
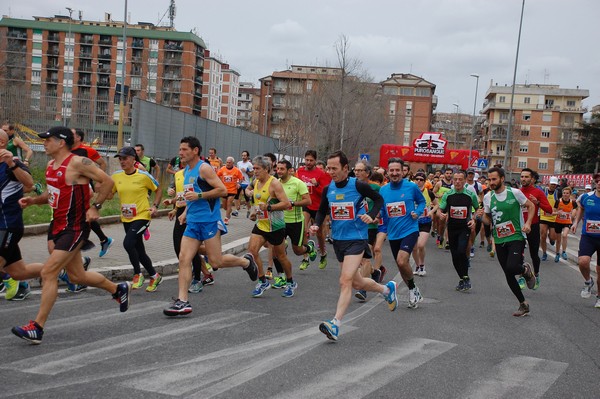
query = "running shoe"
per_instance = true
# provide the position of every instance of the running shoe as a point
(414, 297)
(564, 255)
(12, 287)
(422, 271)
(251, 269)
(557, 258)
(417, 270)
(105, 246)
(312, 251)
(438, 242)
(492, 254)
(489, 248)
(467, 284)
(376, 275)
(537, 283)
(248, 214)
(552, 242)
(122, 295)
(208, 265)
(178, 308)
(260, 288)
(447, 246)
(544, 256)
(586, 292)
(481, 244)
(361, 295)
(280, 282)
(138, 281)
(329, 239)
(23, 292)
(290, 289)
(597, 305)
(323, 262)
(529, 275)
(75, 288)
(154, 282)
(383, 271)
(226, 221)
(2, 286)
(472, 252)
(304, 264)
(195, 286)
(31, 332)
(234, 213)
(391, 298)
(521, 281)
(330, 330)
(208, 280)
(522, 311)
(147, 234)
(460, 286)
(269, 274)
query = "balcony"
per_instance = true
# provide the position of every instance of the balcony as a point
(173, 46)
(52, 80)
(53, 51)
(53, 37)
(85, 54)
(84, 68)
(104, 83)
(86, 40)
(137, 43)
(17, 34)
(52, 66)
(578, 110)
(104, 70)
(171, 88)
(279, 89)
(136, 58)
(105, 41)
(105, 56)
(172, 61)
(172, 76)
(136, 71)
(84, 82)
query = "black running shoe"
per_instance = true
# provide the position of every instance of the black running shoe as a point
(178, 308)
(31, 332)
(376, 275)
(122, 295)
(252, 269)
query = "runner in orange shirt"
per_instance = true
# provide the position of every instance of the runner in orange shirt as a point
(231, 176)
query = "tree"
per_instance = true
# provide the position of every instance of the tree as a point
(584, 155)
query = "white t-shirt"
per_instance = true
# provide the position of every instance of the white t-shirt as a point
(521, 198)
(244, 167)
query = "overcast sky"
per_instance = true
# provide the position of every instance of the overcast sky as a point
(443, 41)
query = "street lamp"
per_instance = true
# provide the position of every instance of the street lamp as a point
(457, 125)
(121, 97)
(266, 112)
(69, 66)
(474, 109)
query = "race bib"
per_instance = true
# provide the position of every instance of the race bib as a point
(53, 196)
(228, 179)
(396, 209)
(342, 211)
(505, 229)
(188, 188)
(179, 200)
(592, 226)
(261, 215)
(310, 187)
(129, 211)
(458, 212)
(563, 216)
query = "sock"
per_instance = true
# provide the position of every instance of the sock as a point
(336, 322)
(411, 284)
(290, 280)
(263, 279)
(386, 290)
(422, 266)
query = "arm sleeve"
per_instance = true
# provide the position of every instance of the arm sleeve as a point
(367, 191)
(323, 208)
(521, 198)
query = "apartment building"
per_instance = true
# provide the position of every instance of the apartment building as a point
(248, 107)
(543, 120)
(220, 90)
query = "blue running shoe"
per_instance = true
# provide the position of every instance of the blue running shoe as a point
(64, 277)
(195, 286)
(330, 329)
(290, 289)
(31, 332)
(104, 246)
(261, 288)
(361, 295)
(564, 255)
(391, 297)
(544, 256)
(557, 258)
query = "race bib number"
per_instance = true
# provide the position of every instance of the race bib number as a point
(505, 229)
(592, 226)
(396, 209)
(179, 200)
(310, 187)
(342, 211)
(563, 216)
(129, 211)
(53, 196)
(188, 188)
(228, 179)
(458, 212)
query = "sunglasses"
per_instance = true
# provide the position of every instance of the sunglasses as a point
(419, 179)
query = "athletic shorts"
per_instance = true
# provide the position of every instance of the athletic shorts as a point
(588, 245)
(372, 236)
(9, 245)
(547, 223)
(241, 191)
(296, 232)
(273, 237)
(68, 240)
(425, 227)
(405, 244)
(231, 195)
(203, 231)
(351, 247)
(558, 227)
(313, 214)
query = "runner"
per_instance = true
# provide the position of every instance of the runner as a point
(403, 203)
(539, 200)
(245, 166)
(214, 160)
(16, 145)
(425, 220)
(132, 186)
(343, 200)
(548, 219)
(589, 211)
(231, 177)
(150, 164)
(458, 206)
(316, 180)
(476, 188)
(68, 177)
(502, 206)
(202, 192)
(441, 187)
(564, 209)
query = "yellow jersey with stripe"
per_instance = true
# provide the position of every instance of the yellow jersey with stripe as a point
(179, 189)
(267, 221)
(133, 194)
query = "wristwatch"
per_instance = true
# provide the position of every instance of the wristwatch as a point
(97, 206)
(293, 203)
(269, 208)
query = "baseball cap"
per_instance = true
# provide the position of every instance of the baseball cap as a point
(554, 180)
(126, 152)
(476, 176)
(60, 132)
(470, 171)
(420, 174)
(588, 186)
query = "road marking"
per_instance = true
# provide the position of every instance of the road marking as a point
(84, 355)
(517, 376)
(362, 378)
(12, 306)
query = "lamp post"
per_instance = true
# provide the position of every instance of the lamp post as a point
(474, 110)
(457, 125)
(121, 97)
(69, 66)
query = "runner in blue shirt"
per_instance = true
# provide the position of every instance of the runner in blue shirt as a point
(589, 211)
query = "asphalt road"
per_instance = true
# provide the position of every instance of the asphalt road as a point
(455, 345)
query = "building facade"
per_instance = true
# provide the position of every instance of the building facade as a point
(220, 91)
(543, 120)
(248, 109)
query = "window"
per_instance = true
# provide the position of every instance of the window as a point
(544, 150)
(423, 91)
(392, 107)
(503, 116)
(406, 91)
(500, 147)
(549, 103)
(523, 148)
(309, 85)
(547, 117)
(542, 165)
(527, 100)
(526, 117)
(570, 103)
(524, 132)
(502, 99)
(522, 164)
(546, 134)
(390, 91)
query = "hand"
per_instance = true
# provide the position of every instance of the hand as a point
(366, 218)
(313, 229)
(182, 218)
(153, 211)
(414, 215)
(6, 156)
(574, 228)
(171, 192)
(262, 206)
(442, 215)
(526, 228)
(92, 214)
(191, 196)
(314, 182)
(470, 224)
(167, 202)
(25, 202)
(172, 214)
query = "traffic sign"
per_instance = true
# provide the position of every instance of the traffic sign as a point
(481, 163)
(364, 157)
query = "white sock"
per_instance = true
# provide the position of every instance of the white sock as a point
(386, 290)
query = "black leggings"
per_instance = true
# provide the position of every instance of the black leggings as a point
(533, 239)
(510, 256)
(134, 245)
(95, 226)
(458, 239)
(178, 230)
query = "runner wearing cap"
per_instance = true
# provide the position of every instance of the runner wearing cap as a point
(548, 219)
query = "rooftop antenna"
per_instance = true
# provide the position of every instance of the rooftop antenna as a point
(172, 12)
(80, 15)
(546, 76)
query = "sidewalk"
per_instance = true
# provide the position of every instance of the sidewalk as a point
(115, 265)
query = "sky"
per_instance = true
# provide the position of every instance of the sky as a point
(442, 41)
